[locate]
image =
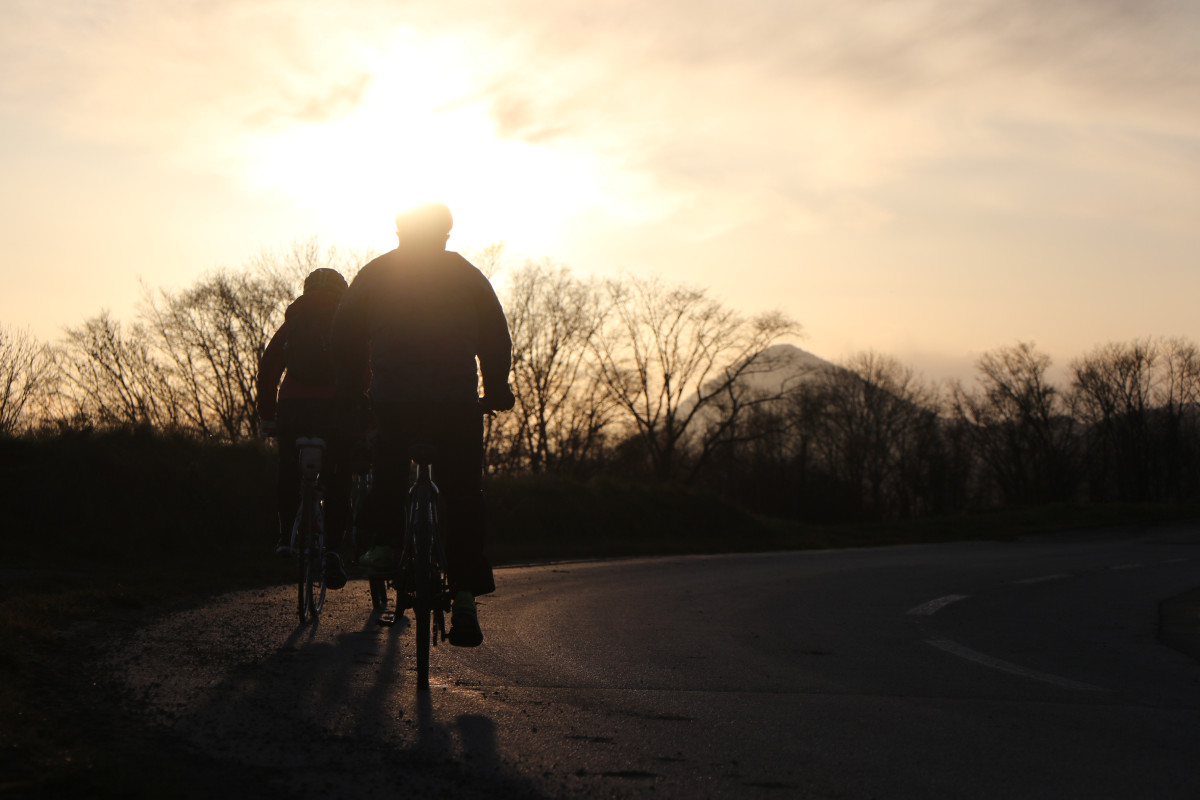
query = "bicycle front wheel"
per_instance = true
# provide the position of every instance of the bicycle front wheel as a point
(423, 614)
(424, 587)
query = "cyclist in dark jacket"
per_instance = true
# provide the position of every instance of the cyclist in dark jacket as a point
(303, 405)
(421, 317)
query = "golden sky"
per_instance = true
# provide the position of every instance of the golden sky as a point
(925, 178)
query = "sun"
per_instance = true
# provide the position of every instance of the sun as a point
(412, 139)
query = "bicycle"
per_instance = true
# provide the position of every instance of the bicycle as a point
(419, 580)
(308, 531)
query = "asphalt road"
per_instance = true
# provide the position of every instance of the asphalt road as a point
(1022, 669)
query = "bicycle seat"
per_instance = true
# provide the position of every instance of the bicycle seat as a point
(423, 453)
(311, 451)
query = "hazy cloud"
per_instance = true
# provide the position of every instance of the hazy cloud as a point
(816, 103)
(177, 75)
(734, 107)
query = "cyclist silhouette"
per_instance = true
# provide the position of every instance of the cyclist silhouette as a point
(428, 324)
(304, 406)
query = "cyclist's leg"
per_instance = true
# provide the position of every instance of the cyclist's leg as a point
(335, 473)
(287, 494)
(390, 464)
(459, 475)
(337, 505)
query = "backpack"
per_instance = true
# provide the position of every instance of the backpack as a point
(306, 353)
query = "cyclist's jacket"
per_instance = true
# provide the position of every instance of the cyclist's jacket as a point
(420, 318)
(300, 352)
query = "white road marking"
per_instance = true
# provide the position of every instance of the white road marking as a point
(954, 648)
(933, 606)
(1043, 578)
(1176, 560)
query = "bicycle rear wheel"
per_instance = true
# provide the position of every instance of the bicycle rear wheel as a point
(424, 588)
(423, 613)
(302, 566)
(316, 571)
(311, 573)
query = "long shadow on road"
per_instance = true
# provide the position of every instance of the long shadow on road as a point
(325, 708)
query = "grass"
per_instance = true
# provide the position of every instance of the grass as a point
(102, 529)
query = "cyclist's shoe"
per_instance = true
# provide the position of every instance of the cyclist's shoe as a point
(335, 573)
(464, 622)
(378, 557)
(284, 548)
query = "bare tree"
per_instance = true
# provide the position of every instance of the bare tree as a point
(678, 365)
(561, 414)
(1139, 401)
(873, 427)
(112, 377)
(26, 369)
(211, 337)
(1019, 425)
(1179, 388)
(490, 259)
(285, 269)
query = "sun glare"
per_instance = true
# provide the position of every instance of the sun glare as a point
(422, 133)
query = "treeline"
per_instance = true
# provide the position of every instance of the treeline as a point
(868, 440)
(633, 377)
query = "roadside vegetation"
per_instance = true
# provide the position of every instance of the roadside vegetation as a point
(103, 528)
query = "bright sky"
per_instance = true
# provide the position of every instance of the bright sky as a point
(929, 179)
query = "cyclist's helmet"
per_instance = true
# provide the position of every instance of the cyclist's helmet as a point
(428, 222)
(325, 280)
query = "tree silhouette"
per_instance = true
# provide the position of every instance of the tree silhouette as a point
(677, 363)
(1019, 425)
(26, 372)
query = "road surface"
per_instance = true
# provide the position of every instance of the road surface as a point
(1022, 669)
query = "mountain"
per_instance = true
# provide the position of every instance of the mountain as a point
(789, 365)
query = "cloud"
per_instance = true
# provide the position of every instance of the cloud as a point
(179, 77)
(823, 104)
(309, 108)
(704, 110)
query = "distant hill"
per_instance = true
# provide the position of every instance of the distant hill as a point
(783, 367)
(789, 365)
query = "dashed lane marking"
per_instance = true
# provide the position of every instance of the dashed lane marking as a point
(956, 649)
(933, 606)
(1043, 579)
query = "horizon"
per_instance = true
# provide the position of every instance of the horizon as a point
(927, 181)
